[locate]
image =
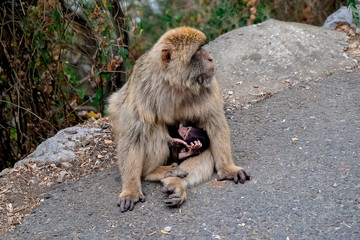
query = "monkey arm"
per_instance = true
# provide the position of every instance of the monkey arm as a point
(183, 155)
(178, 140)
(130, 167)
(220, 146)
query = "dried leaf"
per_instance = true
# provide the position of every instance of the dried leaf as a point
(92, 114)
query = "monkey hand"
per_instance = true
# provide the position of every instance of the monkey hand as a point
(128, 201)
(195, 145)
(177, 194)
(235, 173)
(175, 171)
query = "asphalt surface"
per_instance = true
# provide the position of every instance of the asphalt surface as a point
(302, 148)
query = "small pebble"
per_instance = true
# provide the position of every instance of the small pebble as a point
(61, 176)
(215, 236)
(167, 228)
(247, 106)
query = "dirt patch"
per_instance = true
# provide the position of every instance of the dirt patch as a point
(354, 40)
(23, 188)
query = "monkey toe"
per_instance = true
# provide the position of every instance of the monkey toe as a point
(241, 176)
(167, 189)
(172, 202)
(175, 200)
(142, 199)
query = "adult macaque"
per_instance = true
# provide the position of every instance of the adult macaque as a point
(171, 83)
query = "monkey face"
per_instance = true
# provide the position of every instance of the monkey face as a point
(184, 131)
(203, 67)
(185, 64)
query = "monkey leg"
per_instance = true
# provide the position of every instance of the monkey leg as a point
(200, 169)
(130, 168)
(162, 172)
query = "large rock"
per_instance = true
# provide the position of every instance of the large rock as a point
(270, 53)
(342, 15)
(62, 146)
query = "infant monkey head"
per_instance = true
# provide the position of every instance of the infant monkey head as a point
(191, 134)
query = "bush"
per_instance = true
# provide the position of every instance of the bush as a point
(56, 57)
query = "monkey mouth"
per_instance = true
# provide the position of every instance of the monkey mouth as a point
(205, 78)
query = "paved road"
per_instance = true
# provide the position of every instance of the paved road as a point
(303, 150)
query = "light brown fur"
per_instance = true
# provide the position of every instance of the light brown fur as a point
(160, 92)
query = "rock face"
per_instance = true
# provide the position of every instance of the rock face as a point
(61, 147)
(272, 54)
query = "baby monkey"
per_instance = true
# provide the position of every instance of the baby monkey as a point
(186, 142)
(190, 141)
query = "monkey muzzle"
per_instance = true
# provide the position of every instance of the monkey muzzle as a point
(206, 77)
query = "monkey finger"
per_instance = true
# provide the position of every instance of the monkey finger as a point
(142, 199)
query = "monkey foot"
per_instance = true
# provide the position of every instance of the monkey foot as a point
(240, 176)
(175, 171)
(127, 203)
(176, 192)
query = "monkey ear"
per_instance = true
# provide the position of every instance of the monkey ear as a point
(165, 56)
